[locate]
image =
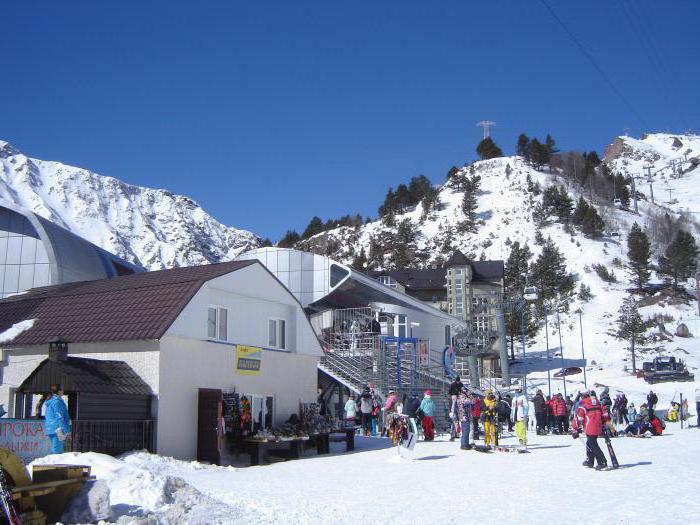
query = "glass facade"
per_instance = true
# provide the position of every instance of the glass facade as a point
(24, 263)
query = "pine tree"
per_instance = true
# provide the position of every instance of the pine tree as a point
(404, 247)
(550, 145)
(315, 226)
(454, 170)
(360, 261)
(487, 149)
(470, 204)
(389, 205)
(679, 261)
(631, 327)
(418, 188)
(289, 240)
(549, 274)
(523, 147)
(639, 255)
(517, 266)
(539, 155)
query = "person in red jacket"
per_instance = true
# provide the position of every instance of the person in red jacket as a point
(590, 418)
(476, 414)
(559, 410)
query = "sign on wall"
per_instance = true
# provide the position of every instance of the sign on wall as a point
(24, 437)
(248, 360)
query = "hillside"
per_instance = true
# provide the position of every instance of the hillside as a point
(505, 206)
(154, 228)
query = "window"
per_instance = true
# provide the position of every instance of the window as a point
(217, 323)
(277, 337)
(448, 335)
(402, 325)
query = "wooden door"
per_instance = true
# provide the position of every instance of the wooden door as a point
(209, 416)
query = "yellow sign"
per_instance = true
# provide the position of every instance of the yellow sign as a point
(248, 360)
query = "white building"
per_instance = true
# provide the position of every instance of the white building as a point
(221, 326)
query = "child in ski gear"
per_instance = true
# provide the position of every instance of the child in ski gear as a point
(656, 426)
(489, 416)
(350, 410)
(463, 406)
(549, 414)
(389, 409)
(672, 414)
(56, 419)
(519, 410)
(631, 413)
(589, 419)
(427, 406)
(476, 416)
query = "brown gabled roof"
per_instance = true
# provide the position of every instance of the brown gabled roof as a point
(128, 308)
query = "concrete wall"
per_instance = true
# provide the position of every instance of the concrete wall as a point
(187, 365)
(18, 363)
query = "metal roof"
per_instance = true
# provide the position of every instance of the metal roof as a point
(85, 376)
(132, 307)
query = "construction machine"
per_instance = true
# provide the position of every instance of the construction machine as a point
(666, 368)
(42, 498)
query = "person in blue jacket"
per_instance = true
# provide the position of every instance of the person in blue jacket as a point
(56, 419)
(427, 408)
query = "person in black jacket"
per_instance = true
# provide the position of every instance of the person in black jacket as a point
(540, 412)
(455, 387)
(652, 399)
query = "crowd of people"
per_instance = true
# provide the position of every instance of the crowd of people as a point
(475, 415)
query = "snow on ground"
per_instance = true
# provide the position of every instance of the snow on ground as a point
(438, 483)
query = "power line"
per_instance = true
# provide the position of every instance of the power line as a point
(593, 62)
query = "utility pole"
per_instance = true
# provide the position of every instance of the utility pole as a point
(546, 338)
(651, 188)
(583, 353)
(561, 349)
(669, 194)
(634, 195)
(486, 124)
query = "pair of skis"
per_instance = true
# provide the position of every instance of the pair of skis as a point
(613, 457)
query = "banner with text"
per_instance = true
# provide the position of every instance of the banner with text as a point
(248, 360)
(25, 437)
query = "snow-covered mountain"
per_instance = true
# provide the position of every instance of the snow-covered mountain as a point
(505, 206)
(151, 227)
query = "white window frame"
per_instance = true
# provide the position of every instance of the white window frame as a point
(278, 323)
(217, 326)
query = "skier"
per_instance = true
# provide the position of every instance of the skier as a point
(490, 417)
(540, 411)
(389, 409)
(652, 399)
(697, 407)
(57, 421)
(463, 408)
(503, 409)
(605, 399)
(559, 409)
(518, 413)
(589, 418)
(427, 406)
(350, 410)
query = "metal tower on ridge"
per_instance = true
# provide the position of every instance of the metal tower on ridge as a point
(486, 124)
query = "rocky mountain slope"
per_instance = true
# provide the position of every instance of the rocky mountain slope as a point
(154, 228)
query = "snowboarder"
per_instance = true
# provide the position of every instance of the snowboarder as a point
(540, 411)
(427, 407)
(589, 418)
(464, 404)
(57, 421)
(519, 410)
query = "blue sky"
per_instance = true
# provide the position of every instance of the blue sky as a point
(268, 113)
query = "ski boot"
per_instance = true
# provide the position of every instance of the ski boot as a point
(602, 466)
(587, 464)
